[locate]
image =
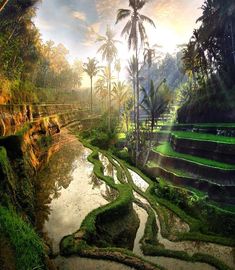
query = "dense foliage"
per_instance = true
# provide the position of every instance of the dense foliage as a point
(27, 66)
(209, 61)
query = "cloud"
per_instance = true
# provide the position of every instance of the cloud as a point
(91, 34)
(44, 25)
(79, 15)
(107, 9)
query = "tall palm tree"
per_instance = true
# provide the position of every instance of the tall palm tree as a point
(109, 53)
(136, 33)
(91, 68)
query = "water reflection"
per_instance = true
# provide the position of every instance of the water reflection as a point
(223, 253)
(108, 193)
(109, 168)
(67, 191)
(166, 262)
(139, 181)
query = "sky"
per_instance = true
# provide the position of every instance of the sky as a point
(74, 23)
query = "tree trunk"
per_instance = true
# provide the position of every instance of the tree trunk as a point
(91, 96)
(119, 110)
(150, 141)
(148, 77)
(134, 87)
(138, 108)
(109, 89)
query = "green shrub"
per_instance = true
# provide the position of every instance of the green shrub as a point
(27, 245)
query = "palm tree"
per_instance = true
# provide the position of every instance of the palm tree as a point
(91, 68)
(106, 76)
(149, 55)
(120, 93)
(102, 90)
(109, 53)
(136, 33)
(155, 101)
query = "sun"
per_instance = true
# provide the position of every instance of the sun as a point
(166, 38)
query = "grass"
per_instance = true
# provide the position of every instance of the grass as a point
(166, 150)
(27, 245)
(152, 250)
(177, 172)
(190, 191)
(187, 135)
(204, 125)
(3, 157)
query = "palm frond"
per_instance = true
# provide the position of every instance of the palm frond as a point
(122, 14)
(147, 19)
(142, 33)
(140, 4)
(126, 29)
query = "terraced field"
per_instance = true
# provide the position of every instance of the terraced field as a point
(129, 223)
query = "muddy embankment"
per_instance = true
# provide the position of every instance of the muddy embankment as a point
(28, 141)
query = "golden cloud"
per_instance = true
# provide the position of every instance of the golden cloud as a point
(79, 15)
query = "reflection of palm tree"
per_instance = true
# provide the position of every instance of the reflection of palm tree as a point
(95, 181)
(56, 175)
(57, 190)
(110, 169)
(110, 194)
(136, 33)
(91, 68)
(109, 52)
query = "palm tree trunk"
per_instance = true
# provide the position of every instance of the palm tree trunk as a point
(119, 111)
(148, 77)
(109, 89)
(137, 101)
(149, 147)
(233, 43)
(91, 96)
(134, 87)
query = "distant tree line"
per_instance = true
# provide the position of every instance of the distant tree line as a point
(26, 63)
